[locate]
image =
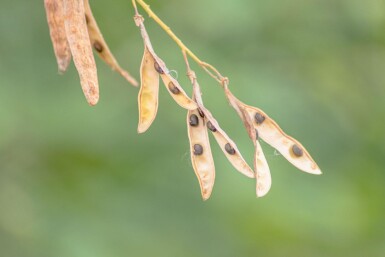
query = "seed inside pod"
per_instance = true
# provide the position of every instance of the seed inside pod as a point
(194, 121)
(198, 149)
(173, 88)
(97, 46)
(259, 118)
(211, 126)
(158, 68)
(201, 113)
(87, 19)
(256, 134)
(229, 149)
(297, 151)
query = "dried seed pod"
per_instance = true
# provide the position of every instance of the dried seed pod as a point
(201, 156)
(79, 42)
(101, 46)
(262, 171)
(272, 134)
(148, 93)
(55, 17)
(181, 97)
(228, 147)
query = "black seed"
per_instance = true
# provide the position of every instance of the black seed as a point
(297, 151)
(173, 88)
(158, 68)
(256, 134)
(229, 149)
(198, 149)
(194, 120)
(259, 118)
(98, 47)
(201, 113)
(211, 126)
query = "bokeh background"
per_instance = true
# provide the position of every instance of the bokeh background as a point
(79, 181)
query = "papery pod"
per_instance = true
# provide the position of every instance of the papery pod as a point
(79, 42)
(101, 47)
(55, 17)
(228, 147)
(148, 93)
(172, 85)
(271, 133)
(201, 157)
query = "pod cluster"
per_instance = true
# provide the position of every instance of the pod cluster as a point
(74, 32)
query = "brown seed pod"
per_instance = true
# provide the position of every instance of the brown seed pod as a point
(79, 42)
(271, 133)
(262, 171)
(228, 147)
(201, 157)
(148, 93)
(181, 97)
(55, 17)
(101, 46)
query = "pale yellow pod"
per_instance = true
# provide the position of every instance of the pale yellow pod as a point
(101, 47)
(177, 92)
(201, 157)
(79, 42)
(228, 147)
(271, 133)
(55, 17)
(148, 93)
(262, 171)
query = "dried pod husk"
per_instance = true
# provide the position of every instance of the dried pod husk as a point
(79, 42)
(271, 133)
(228, 147)
(201, 157)
(55, 17)
(172, 85)
(101, 46)
(148, 93)
(262, 171)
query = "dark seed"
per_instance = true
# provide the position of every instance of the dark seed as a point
(229, 149)
(198, 149)
(201, 113)
(194, 120)
(87, 19)
(158, 68)
(259, 118)
(173, 88)
(211, 126)
(256, 134)
(98, 47)
(297, 151)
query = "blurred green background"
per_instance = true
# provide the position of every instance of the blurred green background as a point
(79, 181)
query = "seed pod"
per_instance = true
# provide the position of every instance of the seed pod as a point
(181, 98)
(148, 93)
(271, 133)
(55, 17)
(262, 171)
(228, 147)
(201, 156)
(101, 46)
(79, 42)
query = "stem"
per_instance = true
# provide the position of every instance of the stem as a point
(211, 70)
